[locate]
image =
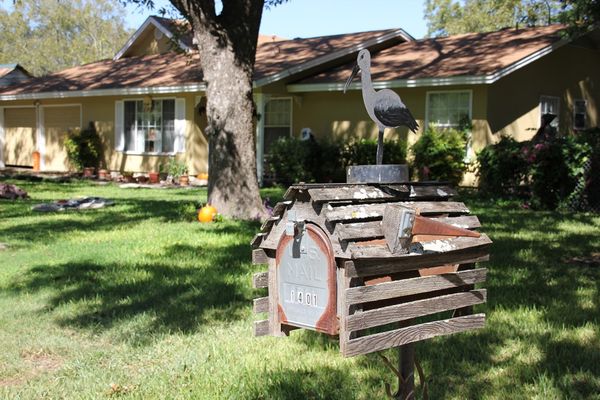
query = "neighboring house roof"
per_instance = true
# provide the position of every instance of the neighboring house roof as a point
(6, 69)
(461, 59)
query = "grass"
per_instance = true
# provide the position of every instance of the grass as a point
(138, 301)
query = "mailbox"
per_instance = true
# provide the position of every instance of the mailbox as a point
(306, 279)
(363, 262)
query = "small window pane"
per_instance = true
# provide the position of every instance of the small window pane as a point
(447, 109)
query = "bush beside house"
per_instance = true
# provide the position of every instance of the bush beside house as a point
(557, 173)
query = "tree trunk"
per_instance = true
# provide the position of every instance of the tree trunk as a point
(232, 184)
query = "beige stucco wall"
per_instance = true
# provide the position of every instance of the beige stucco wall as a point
(568, 73)
(101, 110)
(147, 44)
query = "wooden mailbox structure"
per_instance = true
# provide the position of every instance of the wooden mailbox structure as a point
(330, 268)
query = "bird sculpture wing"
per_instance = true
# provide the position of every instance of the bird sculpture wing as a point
(393, 113)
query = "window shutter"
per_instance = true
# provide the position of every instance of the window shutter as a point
(119, 129)
(180, 125)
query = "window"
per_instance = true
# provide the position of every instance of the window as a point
(448, 109)
(579, 114)
(149, 126)
(278, 121)
(550, 105)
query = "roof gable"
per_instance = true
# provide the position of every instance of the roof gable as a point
(460, 59)
(158, 28)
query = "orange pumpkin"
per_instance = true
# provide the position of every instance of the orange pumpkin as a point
(207, 213)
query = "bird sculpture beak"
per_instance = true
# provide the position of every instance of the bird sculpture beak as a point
(352, 76)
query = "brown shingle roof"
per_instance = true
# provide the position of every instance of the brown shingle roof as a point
(172, 69)
(275, 57)
(4, 71)
(474, 54)
(471, 55)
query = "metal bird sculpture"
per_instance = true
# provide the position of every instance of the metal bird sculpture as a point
(384, 107)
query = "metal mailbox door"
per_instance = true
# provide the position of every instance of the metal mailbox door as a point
(306, 280)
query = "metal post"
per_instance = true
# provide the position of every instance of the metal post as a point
(379, 159)
(407, 371)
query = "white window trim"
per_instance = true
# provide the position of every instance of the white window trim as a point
(557, 119)
(264, 118)
(145, 153)
(584, 114)
(469, 91)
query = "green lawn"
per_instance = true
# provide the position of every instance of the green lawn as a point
(140, 301)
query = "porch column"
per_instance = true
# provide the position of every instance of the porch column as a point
(260, 100)
(40, 135)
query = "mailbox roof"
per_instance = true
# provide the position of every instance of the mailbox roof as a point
(351, 215)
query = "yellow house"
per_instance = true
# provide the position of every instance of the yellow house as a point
(147, 102)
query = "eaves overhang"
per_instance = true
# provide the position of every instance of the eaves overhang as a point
(190, 88)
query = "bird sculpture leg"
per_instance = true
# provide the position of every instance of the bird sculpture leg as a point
(379, 159)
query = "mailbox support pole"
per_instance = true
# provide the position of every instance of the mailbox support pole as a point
(407, 372)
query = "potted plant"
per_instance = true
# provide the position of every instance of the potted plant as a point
(154, 177)
(178, 171)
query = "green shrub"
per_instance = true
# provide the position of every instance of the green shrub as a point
(555, 169)
(439, 155)
(503, 167)
(290, 160)
(364, 151)
(84, 149)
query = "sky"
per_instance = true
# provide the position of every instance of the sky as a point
(308, 18)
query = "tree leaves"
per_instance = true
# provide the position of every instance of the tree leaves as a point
(48, 35)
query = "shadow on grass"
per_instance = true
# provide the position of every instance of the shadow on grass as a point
(166, 297)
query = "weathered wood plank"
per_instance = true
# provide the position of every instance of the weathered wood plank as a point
(260, 280)
(372, 229)
(280, 208)
(413, 309)
(266, 226)
(398, 337)
(370, 266)
(375, 211)
(356, 193)
(261, 305)
(437, 247)
(412, 286)
(257, 240)
(259, 257)
(261, 328)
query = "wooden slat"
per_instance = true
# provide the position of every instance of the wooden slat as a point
(372, 229)
(437, 247)
(412, 286)
(398, 337)
(259, 257)
(359, 230)
(261, 328)
(476, 250)
(375, 211)
(280, 207)
(266, 226)
(257, 240)
(413, 309)
(261, 305)
(355, 193)
(260, 280)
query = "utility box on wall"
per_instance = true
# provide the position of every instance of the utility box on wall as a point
(364, 261)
